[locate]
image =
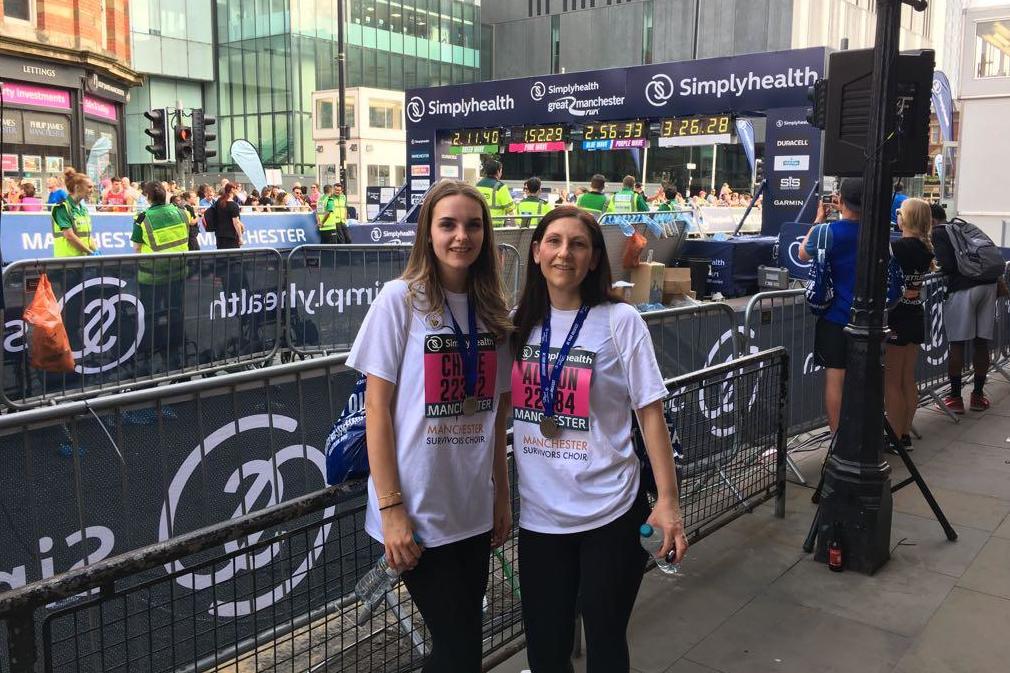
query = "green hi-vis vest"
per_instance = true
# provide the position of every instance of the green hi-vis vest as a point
(80, 222)
(338, 214)
(499, 199)
(532, 206)
(165, 229)
(622, 202)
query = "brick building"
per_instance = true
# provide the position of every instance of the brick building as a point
(66, 75)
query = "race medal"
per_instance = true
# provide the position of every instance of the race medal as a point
(549, 379)
(470, 406)
(467, 345)
(549, 427)
(433, 320)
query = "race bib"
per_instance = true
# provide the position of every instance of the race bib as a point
(571, 407)
(444, 379)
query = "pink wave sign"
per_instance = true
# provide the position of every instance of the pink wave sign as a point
(38, 96)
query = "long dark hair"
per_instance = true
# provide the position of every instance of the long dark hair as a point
(596, 287)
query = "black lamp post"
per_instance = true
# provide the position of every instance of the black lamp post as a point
(342, 95)
(857, 483)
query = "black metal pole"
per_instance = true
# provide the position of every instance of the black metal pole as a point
(857, 482)
(342, 94)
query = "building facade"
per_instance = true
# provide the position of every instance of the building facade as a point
(377, 144)
(66, 79)
(272, 56)
(983, 99)
(173, 48)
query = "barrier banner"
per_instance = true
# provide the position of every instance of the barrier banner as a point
(790, 239)
(82, 489)
(30, 235)
(383, 234)
(196, 311)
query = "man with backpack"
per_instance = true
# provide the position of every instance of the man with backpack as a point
(972, 265)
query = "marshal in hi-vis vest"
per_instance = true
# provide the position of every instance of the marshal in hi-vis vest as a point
(80, 222)
(499, 199)
(623, 202)
(337, 215)
(532, 206)
(164, 230)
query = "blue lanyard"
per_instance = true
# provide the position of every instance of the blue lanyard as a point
(467, 347)
(549, 382)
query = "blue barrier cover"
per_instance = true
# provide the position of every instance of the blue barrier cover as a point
(29, 235)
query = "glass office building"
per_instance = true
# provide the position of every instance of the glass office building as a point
(272, 54)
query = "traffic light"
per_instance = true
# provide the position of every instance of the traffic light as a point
(183, 143)
(817, 116)
(158, 131)
(201, 137)
(850, 84)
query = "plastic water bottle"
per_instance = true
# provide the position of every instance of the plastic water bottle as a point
(652, 543)
(374, 585)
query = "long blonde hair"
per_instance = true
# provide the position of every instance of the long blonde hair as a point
(484, 278)
(917, 219)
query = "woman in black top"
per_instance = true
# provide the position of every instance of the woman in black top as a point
(228, 225)
(914, 252)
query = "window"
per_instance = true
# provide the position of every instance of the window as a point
(18, 9)
(378, 176)
(992, 49)
(401, 175)
(385, 115)
(351, 188)
(324, 114)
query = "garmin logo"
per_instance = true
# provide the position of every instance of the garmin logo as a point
(39, 70)
(787, 202)
(737, 86)
(792, 143)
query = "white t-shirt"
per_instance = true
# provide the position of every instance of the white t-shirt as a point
(444, 458)
(589, 475)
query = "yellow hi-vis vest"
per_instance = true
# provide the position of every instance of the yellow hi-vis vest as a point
(499, 199)
(165, 229)
(80, 222)
(338, 214)
(532, 206)
(622, 202)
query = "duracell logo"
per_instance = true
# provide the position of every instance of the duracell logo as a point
(38, 70)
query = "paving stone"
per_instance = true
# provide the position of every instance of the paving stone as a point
(967, 509)
(990, 572)
(1004, 530)
(967, 634)
(688, 666)
(900, 597)
(970, 468)
(921, 542)
(772, 635)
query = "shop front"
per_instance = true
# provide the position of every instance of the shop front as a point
(55, 116)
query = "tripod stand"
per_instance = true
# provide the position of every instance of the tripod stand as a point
(808, 544)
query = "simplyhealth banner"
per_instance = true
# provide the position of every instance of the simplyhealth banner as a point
(30, 236)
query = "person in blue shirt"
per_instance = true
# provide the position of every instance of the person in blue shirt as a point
(57, 194)
(839, 239)
(899, 198)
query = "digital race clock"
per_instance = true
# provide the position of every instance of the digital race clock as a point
(696, 126)
(472, 137)
(628, 130)
(549, 133)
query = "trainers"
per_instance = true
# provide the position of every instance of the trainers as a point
(954, 404)
(979, 402)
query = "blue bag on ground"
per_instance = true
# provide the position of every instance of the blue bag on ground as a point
(346, 451)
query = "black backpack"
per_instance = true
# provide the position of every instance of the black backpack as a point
(977, 256)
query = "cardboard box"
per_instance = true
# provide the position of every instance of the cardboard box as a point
(648, 280)
(676, 280)
(678, 298)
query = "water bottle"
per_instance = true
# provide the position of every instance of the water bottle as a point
(374, 585)
(652, 543)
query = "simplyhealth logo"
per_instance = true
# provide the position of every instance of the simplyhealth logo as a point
(417, 109)
(661, 88)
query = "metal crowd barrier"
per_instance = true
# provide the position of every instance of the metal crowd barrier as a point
(239, 561)
(690, 338)
(136, 320)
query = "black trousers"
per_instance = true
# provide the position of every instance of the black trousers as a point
(448, 588)
(328, 237)
(599, 571)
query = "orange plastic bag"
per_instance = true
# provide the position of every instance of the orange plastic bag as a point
(633, 250)
(48, 345)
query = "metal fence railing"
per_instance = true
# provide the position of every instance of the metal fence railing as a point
(142, 320)
(263, 580)
(690, 338)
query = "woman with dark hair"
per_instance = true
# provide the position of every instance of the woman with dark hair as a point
(434, 348)
(584, 364)
(228, 225)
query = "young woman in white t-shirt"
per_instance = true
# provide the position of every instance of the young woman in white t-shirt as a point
(579, 477)
(437, 407)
